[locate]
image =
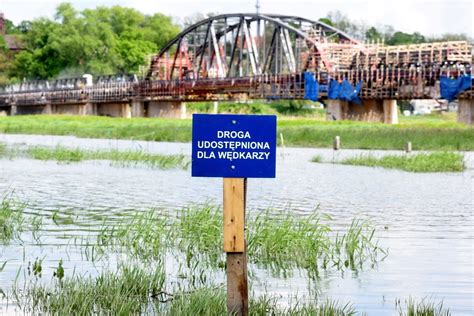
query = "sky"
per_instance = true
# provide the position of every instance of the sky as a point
(429, 17)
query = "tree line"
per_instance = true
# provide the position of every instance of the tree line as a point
(109, 40)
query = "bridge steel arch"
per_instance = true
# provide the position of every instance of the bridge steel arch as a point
(255, 56)
(242, 45)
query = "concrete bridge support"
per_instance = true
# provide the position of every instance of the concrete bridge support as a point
(167, 109)
(466, 111)
(336, 110)
(89, 109)
(390, 112)
(138, 108)
(385, 111)
(67, 109)
(13, 110)
(48, 109)
(368, 111)
(114, 109)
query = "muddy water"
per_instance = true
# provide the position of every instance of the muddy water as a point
(426, 220)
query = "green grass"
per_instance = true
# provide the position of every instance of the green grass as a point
(280, 244)
(306, 242)
(12, 221)
(420, 162)
(133, 290)
(117, 157)
(425, 133)
(317, 159)
(143, 235)
(125, 292)
(425, 307)
(213, 302)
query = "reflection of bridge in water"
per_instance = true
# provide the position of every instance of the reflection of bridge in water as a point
(249, 56)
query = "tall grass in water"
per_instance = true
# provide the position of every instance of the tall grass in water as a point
(213, 302)
(430, 162)
(12, 221)
(289, 242)
(135, 291)
(425, 307)
(120, 158)
(125, 292)
(357, 246)
(278, 243)
(305, 242)
(143, 235)
(198, 234)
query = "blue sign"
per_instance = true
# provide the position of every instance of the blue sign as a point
(234, 146)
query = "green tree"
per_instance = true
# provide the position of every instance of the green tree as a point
(97, 41)
(373, 34)
(326, 21)
(401, 38)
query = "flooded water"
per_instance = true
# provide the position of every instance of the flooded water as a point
(425, 220)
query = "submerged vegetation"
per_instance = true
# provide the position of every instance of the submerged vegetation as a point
(117, 157)
(425, 133)
(133, 290)
(141, 284)
(420, 162)
(425, 307)
(124, 292)
(12, 221)
(280, 244)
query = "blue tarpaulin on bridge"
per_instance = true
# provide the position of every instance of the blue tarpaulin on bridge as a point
(450, 88)
(344, 91)
(310, 87)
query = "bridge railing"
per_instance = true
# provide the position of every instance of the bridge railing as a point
(408, 82)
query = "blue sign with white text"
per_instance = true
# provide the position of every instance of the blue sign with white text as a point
(234, 146)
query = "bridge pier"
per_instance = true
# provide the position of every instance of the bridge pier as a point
(89, 109)
(390, 112)
(138, 108)
(114, 109)
(48, 109)
(466, 111)
(13, 110)
(167, 109)
(372, 110)
(67, 109)
(336, 110)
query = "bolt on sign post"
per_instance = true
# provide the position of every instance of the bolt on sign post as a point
(234, 147)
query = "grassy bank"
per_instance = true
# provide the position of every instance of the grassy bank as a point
(117, 157)
(432, 162)
(428, 133)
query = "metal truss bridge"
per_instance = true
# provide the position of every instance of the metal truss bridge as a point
(256, 56)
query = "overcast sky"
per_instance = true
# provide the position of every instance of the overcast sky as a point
(429, 17)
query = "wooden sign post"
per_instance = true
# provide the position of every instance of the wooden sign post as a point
(234, 245)
(234, 147)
